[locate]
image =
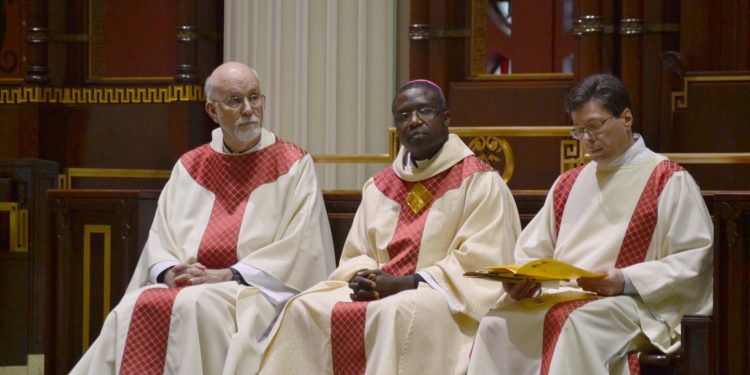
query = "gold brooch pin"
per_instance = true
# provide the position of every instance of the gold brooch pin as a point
(419, 197)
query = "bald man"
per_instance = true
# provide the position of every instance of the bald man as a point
(398, 303)
(236, 218)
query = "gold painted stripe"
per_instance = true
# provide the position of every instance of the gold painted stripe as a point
(351, 158)
(88, 230)
(102, 95)
(710, 158)
(72, 173)
(680, 98)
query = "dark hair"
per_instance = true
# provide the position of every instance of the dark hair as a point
(442, 104)
(606, 89)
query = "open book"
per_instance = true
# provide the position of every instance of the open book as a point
(539, 270)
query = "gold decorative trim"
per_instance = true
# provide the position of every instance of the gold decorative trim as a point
(351, 158)
(418, 198)
(37, 35)
(101, 95)
(478, 53)
(482, 143)
(680, 98)
(522, 77)
(187, 33)
(88, 230)
(70, 38)
(71, 173)
(631, 26)
(18, 223)
(588, 24)
(571, 155)
(419, 31)
(710, 157)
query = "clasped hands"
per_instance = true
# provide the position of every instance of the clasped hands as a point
(369, 285)
(611, 285)
(188, 274)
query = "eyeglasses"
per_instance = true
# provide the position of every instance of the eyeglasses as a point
(592, 131)
(425, 113)
(236, 101)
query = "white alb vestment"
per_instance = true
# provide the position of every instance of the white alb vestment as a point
(261, 213)
(671, 270)
(444, 217)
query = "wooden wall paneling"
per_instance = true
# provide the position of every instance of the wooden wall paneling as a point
(659, 46)
(711, 115)
(132, 41)
(14, 297)
(732, 269)
(341, 207)
(9, 134)
(210, 47)
(589, 41)
(30, 180)
(37, 71)
(12, 42)
(529, 21)
(419, 37)
(187, 39)
(447, 52)
(672, 80)
(631, 57)
(76, 48)
(703, 23)
(517, 103)
(124, 218)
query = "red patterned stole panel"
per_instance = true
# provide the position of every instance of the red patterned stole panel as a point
(348, 318)
(643, 222)
(561, 193)
(633, 250)
(231, 178)
(554, 320)
(148, 332)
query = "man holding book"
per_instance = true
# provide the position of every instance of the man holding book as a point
(631, 214)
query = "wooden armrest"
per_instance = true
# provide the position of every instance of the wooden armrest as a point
(696, 343)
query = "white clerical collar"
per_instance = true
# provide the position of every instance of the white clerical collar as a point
(226, 149)
(217, 142)
(634, 154)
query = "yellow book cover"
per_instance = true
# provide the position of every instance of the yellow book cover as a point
(539, 270)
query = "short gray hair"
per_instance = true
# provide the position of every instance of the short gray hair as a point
(208, 86)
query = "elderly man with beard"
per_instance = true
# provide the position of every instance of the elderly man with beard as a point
(398, 303)
(236, 222)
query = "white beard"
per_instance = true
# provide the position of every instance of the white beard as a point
(247, 133)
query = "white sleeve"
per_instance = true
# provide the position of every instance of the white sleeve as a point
(431, 281)
(158, 268)
(273, 289)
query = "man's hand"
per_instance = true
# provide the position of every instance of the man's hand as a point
(194, 274)
(368, 285)
(611, 285)
(522, 290)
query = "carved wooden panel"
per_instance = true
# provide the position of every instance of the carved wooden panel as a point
(26, 182)
(12, 41)
(96, 239)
